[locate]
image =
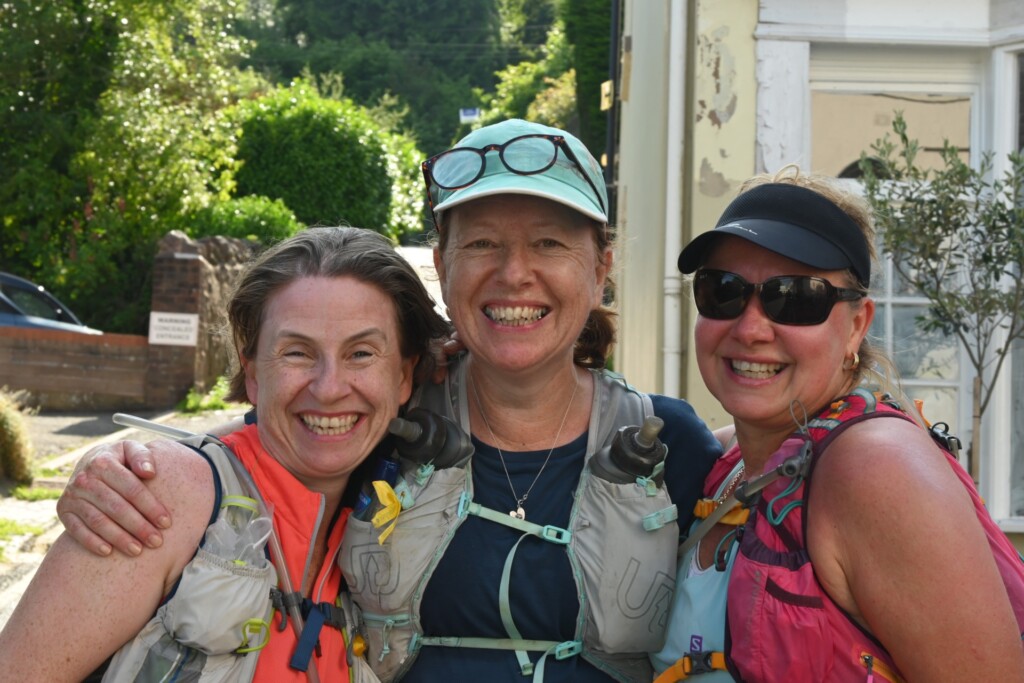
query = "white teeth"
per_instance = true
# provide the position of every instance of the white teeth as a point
(515, 315)
(756, 370)
(329, 426)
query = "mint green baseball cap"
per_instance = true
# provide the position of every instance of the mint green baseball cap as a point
(545, 168)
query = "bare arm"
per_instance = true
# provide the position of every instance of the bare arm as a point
(80, 608)
(895, 541)
(106, 504)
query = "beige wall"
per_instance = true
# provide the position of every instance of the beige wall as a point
(641, 191)
(716, 121)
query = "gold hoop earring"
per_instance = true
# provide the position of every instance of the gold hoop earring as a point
(851, 364)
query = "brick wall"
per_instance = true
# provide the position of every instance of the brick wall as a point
(69, 371)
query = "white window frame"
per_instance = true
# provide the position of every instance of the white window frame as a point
(987, 75)
(997, 422)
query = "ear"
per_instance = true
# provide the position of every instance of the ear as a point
(862, 318)
(601, 272)
(251, 383)
(405, 385)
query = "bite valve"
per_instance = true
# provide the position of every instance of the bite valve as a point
(633, 454)
(424, 437)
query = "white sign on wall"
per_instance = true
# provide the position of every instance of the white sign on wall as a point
(173, 329)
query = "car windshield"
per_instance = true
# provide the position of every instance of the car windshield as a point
(34, 303)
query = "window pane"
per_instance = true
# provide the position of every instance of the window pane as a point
(937, 405)
(919, 354)
(845, 124)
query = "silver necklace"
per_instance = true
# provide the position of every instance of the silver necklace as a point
(519, 512)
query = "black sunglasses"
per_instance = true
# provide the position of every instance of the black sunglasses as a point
(460, 167)
(786, 299)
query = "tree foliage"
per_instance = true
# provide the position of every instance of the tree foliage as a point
(526, 84)
(588, 26)
(431, 54)
(145, 134)
(956, 234)
(118, 123)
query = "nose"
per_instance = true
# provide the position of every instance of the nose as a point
(515, 267)
(753, 325)
(331, 381)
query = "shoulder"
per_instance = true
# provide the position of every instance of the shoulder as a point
(185, 485)
(886, 477)
(876, 454)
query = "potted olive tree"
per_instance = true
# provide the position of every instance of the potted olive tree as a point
(956, 234)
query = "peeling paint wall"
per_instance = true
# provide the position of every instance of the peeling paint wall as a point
(722, 124)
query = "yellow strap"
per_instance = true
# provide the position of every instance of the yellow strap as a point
(683, 667)
(391, 506)
(705, 506)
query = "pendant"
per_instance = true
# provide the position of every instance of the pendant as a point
(518, 513)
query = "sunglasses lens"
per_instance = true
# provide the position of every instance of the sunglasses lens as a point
(529, 155)
(456, 168)
(720, 295)
(796, 300)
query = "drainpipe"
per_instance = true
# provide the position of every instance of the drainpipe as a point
(672, 319)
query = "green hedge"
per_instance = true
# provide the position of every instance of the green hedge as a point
(253, 217)
(325, 159)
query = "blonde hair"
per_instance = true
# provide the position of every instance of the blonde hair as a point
(876, 370)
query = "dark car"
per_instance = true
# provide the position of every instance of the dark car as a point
(26, 304)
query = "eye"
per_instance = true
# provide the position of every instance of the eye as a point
(549, 243)
(362, 355)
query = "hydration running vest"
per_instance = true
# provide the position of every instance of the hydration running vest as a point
(782, 625)
(621, 541)
(219, 615)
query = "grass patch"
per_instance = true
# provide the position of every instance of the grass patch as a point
(9, 529)
(211, 400)
(35, 493)
(51, 471)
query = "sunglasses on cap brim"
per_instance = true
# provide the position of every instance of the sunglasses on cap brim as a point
(530, 154)
(785, 299)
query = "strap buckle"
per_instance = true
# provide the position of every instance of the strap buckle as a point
(556, 534)
(703, 662)
(569, 648)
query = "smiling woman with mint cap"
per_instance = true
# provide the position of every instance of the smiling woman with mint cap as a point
(545, 570)
(877, 560)
(550, 554)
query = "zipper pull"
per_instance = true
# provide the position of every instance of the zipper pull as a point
(869, 661)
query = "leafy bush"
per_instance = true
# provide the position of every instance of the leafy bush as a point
(15, 446)
(214, 399)
(323, 158)
(251, 217)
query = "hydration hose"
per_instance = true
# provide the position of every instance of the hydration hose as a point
(792, 467)
(276, 554)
